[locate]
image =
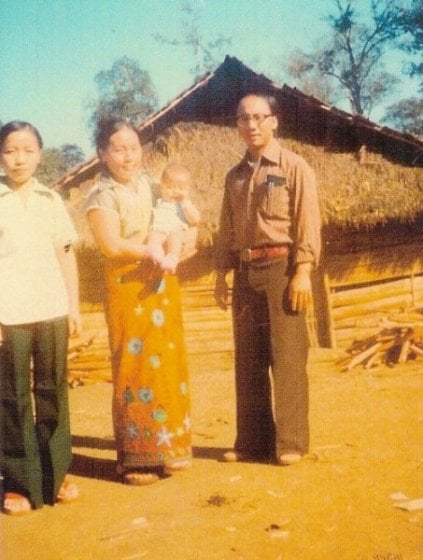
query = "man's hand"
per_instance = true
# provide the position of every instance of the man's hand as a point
(300, 291)
(221, 291)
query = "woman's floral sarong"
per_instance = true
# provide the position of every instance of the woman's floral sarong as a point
(150, 376)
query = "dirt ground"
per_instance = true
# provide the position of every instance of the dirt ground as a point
(338, 504)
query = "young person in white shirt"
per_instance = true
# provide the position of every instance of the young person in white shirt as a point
(39, 308)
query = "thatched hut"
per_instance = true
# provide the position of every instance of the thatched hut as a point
(371, 194)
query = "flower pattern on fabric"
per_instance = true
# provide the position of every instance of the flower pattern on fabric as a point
(128, 396)
(135, 346)
(147, 432)
(159, 415)
(155, 361)
(164, 437)
(187, 423)
(133, 431)
(157, 317)
(145, 395)
(138, 310)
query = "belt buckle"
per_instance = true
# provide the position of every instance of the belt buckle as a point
(246, 255)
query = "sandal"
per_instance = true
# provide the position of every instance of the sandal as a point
(16, 504)
(178, 466)
(68, 492)
(138, 478)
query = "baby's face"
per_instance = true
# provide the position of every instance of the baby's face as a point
(174, 187)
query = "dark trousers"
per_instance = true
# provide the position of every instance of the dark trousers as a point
(35, 441)
(272, 412)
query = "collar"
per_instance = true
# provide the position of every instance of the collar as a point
(107, 182)
(271, 153)
(34, 186)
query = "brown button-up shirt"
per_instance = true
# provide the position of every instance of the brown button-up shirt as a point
(271, 202)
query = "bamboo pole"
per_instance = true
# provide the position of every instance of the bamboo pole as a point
(329, 315)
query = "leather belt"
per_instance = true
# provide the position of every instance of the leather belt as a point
(263, 253)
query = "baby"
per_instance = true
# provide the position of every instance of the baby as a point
(172, 214)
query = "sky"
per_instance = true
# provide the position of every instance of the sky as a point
(51, 50)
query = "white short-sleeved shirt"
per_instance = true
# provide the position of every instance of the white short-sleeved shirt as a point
(32, 287)
(168, 216)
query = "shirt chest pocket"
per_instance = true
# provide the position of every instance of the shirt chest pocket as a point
(274, 198)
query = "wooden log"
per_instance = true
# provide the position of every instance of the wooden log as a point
(363, 294)
(364, 355)
(89, 365)
(405, 346)
(414, 348)
(382, 305)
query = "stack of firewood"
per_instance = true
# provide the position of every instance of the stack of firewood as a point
(389, 346)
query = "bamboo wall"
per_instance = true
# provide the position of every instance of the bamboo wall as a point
(370, 291)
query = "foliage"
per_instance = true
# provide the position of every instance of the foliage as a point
(351, 55)
(124, 90)
(308, 78)
(55, 162)
(411, 23)
(406, 115)
(206, 54)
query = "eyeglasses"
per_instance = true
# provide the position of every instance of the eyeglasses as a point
(258, 119)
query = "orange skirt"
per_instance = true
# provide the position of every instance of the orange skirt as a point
(151, 414)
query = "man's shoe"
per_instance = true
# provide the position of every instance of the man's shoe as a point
(233, 456)
(287, 459)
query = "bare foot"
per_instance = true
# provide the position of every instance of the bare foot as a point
(16, 504)
(139, 478)
(178, 466)
(68, 492)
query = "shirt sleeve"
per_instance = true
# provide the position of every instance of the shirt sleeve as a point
(306, 220)
(101, 198)
(64, 232)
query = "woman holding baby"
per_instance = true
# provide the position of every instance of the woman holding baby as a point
(151, 414)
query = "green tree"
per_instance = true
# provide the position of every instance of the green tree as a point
(207, 54)
(351, 58)
(124, 90)
(55, 162)
(406, 115)
(410, 21)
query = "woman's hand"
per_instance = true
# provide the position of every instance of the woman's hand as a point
(75, 323)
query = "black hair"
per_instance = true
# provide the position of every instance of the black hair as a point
(109, 125)
(15, 126)
(270, 100)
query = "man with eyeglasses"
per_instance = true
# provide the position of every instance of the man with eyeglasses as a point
(269, 234)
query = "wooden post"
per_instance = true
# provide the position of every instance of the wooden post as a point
(331, 326)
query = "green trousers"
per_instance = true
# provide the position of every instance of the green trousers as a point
(35, 440)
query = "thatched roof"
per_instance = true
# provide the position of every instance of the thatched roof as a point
(354, 194)
(358, 190)
(214, 98)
